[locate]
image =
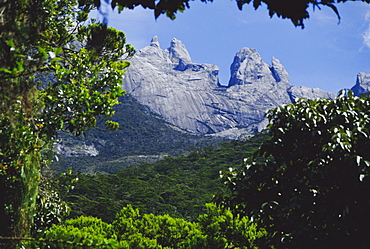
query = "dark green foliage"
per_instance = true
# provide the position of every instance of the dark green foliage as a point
(176, 186)
(45, 39)
(313, 190)
(141, 137)
(295, 10)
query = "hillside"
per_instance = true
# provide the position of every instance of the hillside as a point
(142, 137)
(176, 186)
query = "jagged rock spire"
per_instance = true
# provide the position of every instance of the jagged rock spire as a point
(278, 71)
(362, 84)
(178, 52)
(154, 42)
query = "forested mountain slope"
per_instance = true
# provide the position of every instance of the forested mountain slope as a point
(142, 137)
(176, 186)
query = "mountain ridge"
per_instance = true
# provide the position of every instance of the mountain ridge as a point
(190, 96)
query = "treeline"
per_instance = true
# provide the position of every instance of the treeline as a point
(216, 229)
(175, 186)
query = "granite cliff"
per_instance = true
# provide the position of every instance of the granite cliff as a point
(362, 84)
(189, 95)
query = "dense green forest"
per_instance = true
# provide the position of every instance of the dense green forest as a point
(216, 229)
(142, 136)
(178, 186)
(167, 204)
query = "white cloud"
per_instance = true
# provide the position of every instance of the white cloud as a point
(366, 34)
(366, 37)
(324, 16)
(367, 16)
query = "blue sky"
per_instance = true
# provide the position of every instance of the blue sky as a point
(325, 54)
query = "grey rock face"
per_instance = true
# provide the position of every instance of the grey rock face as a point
(189, 96)
(278, 71)
(79, 148)
(308, 93)
(248, 68)
(362, 84)
(178, 54)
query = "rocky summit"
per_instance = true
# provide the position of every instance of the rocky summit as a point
(362, 84)
(189, 95)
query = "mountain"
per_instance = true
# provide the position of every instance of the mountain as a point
(189, 95)
(362, 84)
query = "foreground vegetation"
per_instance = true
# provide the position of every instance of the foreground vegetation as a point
(218, 228)
(312, 191)
(57, 73)
(176, 186)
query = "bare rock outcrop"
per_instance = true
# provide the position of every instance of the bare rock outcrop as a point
(189, 95)
(362, 84)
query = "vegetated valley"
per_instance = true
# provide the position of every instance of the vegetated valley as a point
(149, 165)
(178, 186)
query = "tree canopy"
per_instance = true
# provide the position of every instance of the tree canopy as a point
(295, 10)
(57, 72)
(217, 229)
(312, 191)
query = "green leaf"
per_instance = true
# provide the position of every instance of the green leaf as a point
(5, 70)
(43, 52)
(10, 43)
(20, 66)
(58, 50)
